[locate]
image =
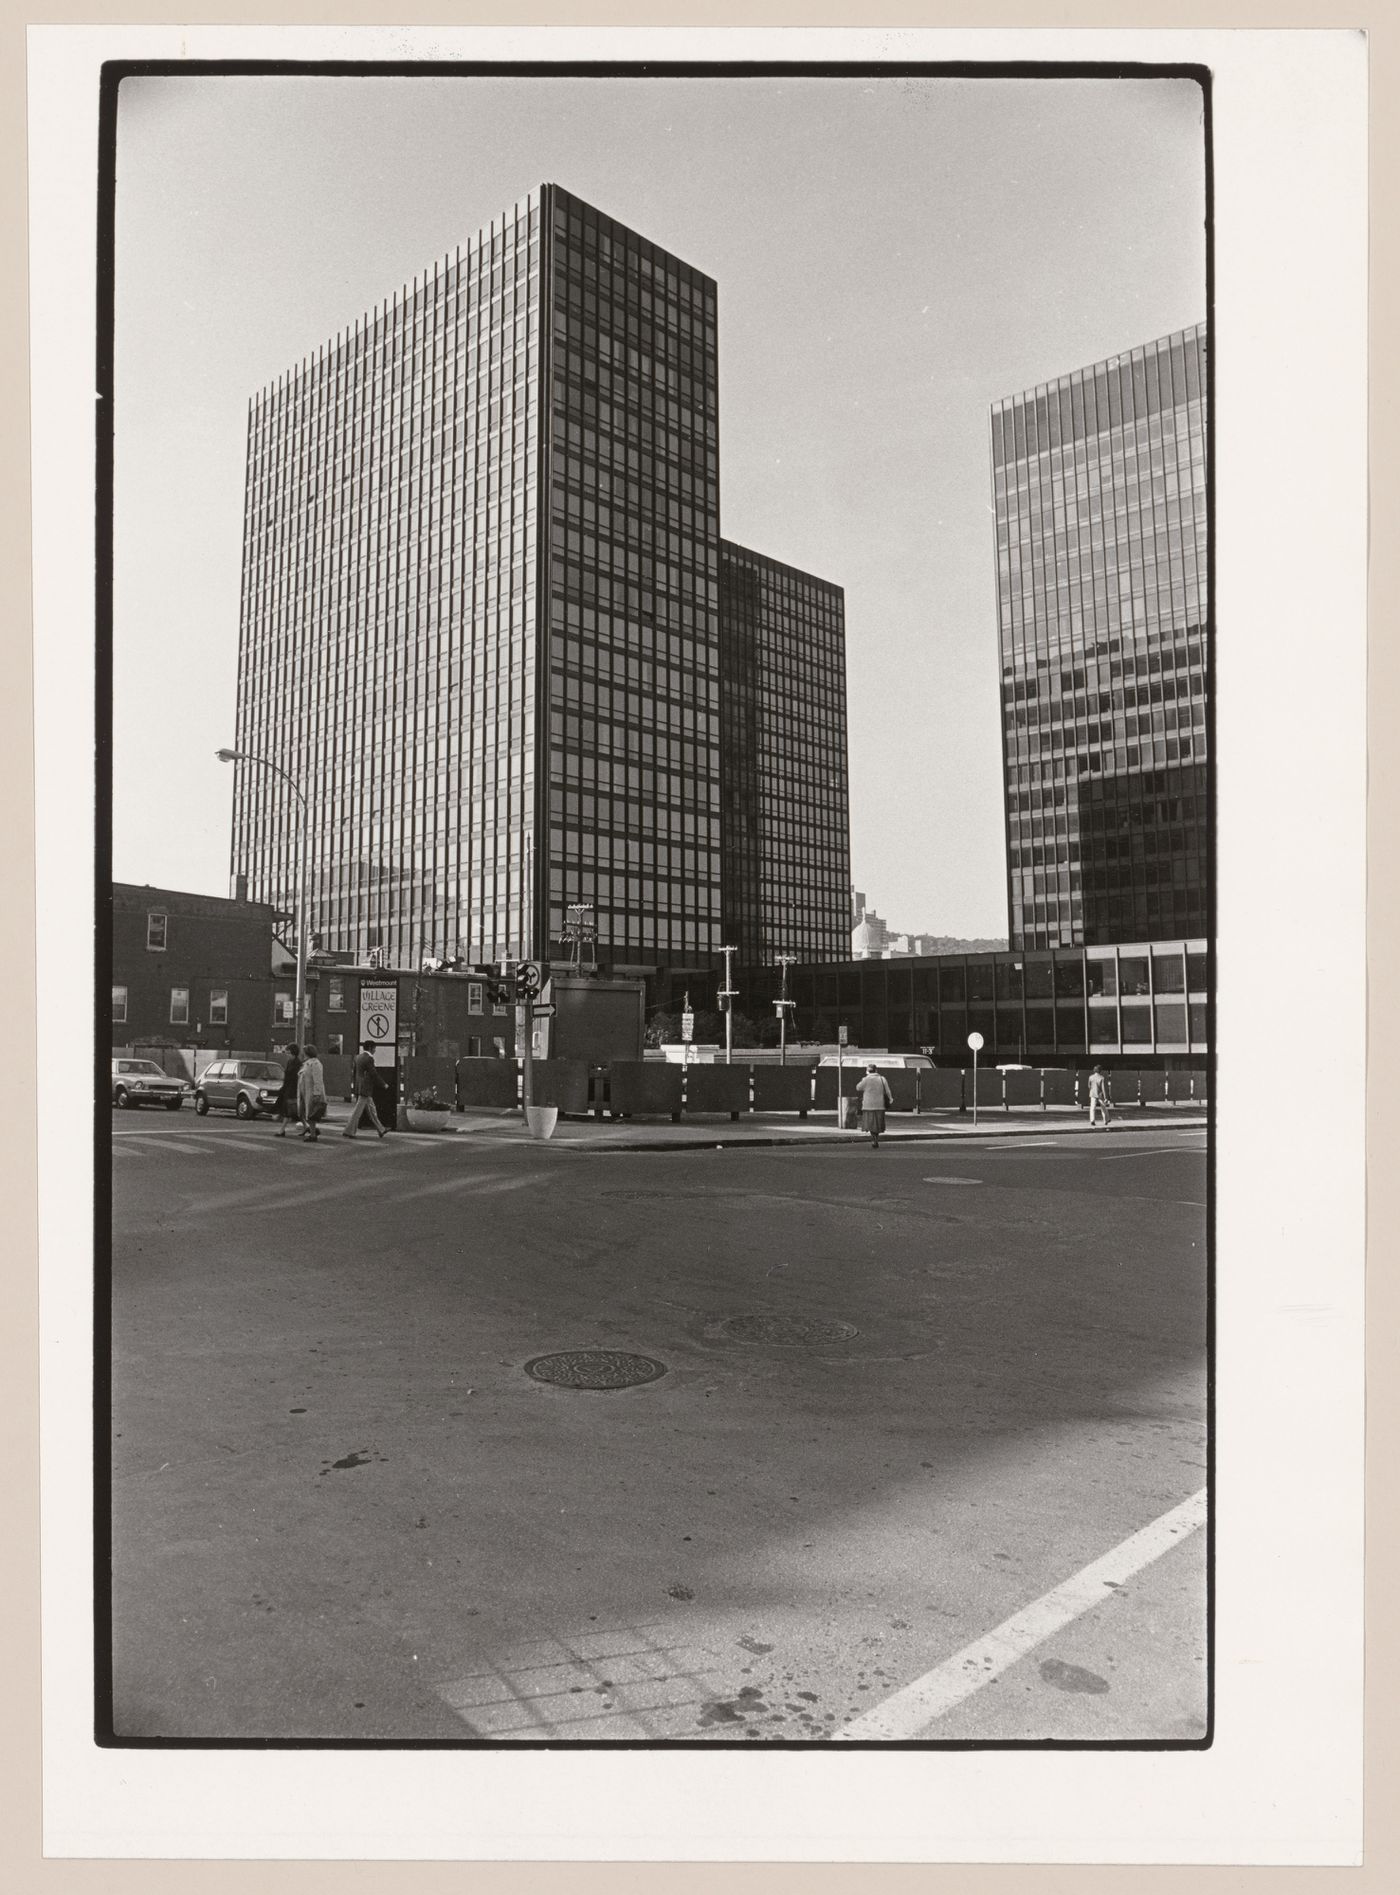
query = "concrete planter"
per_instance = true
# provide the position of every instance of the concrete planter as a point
(541, 1120)
(421, 1121)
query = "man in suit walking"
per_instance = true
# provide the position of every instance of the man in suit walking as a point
(364, 1093)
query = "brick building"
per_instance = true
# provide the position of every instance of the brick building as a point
(439, 1015)
(195, 972)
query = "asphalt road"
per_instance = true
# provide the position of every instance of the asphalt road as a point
(908, 1395)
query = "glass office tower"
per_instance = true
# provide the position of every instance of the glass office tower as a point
(785, 798)
(1099, 481)
(480, 616)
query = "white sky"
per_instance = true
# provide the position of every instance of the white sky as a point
(892, 256)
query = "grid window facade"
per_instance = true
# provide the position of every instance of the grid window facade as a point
(1063, 1006)
(1099, 481)
(480, 605)
(786, 799)
(387, 643)
(632, 473)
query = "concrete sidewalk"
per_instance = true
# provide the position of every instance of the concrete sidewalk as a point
(777, 1128)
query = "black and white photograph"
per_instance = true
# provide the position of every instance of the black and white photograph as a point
(572, 538)
(655, 664)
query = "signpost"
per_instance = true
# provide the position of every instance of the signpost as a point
(976, 1042)
(728, 994)
(840, 1079)
(379, 1021)
(379, 1026)
(687, 1029)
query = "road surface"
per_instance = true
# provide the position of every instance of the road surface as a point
(924, 1462)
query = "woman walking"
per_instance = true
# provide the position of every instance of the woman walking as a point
(286, 1107)
(311, 1094)
(874, 1095)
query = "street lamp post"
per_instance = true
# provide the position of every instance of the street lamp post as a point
(976, 1042)
(729, 994)
(263, 763)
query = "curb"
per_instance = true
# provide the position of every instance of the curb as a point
(602, 1143)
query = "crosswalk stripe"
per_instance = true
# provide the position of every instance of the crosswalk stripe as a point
(910, 1712)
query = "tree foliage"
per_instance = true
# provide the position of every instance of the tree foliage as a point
(664, 1029)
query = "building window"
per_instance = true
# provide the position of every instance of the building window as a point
(1103, 979)
(179, 1006)
(335, 998)
(1171, 1023)
(1132, 971)
(156, 925)
(1103, 1021)
(1167, 974)
(335, 1043)
(218, 1006)
(282, 1008)
(1137, 1026)
(119, 1004)
(474, 997)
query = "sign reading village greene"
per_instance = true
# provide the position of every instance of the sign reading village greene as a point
(379, 1015)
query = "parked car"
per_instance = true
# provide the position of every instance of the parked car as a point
(245, 1086)
(142, 1082)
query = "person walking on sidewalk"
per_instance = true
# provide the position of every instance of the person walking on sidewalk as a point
(874, 1095)
(364, 1093)
(286, 1107)
(311, 1094)
(1098, 1098)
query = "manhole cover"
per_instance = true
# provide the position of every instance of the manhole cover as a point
(594, 1368)
(810, 1331)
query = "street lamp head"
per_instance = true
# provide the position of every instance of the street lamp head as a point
(226, 756)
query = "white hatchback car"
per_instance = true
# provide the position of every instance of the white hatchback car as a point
(248, 1087)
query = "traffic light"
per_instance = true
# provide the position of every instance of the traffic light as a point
(499, 982)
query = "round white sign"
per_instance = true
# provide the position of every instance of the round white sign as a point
(976, 1042)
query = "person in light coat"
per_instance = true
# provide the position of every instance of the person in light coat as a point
(311, 1094)
(873, 1094)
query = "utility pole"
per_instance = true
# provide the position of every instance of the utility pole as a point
(580, 931)
(728, 994)
(785, 961)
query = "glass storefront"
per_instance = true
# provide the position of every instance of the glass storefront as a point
(1080, 1017)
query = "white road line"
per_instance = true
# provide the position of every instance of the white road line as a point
(1150, 1151)
(469, 1183)
(189, 1142)
(910, 1711)
(953, 1180)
